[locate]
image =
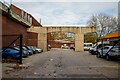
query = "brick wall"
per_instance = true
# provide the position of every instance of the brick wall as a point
(55, 44)
(19, 12)
(11, 27)
(32, 39)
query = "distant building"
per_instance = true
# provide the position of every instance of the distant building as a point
(113, 37)
(52, 40)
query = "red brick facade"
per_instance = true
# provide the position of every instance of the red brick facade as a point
(12, 26)
(32, 39)
(55, 44)
(25, 15)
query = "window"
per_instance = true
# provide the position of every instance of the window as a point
(22, 14)
(85, 45)
(106, 48)
(30, 20)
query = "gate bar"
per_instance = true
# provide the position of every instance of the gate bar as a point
(21, 36)
(11, 43)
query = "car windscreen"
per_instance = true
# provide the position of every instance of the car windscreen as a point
(16, 48)
(27, 47)
(24, 48)
(116, 48)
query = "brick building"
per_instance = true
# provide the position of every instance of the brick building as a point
(113, 37)
(15, 21)
(26, 16)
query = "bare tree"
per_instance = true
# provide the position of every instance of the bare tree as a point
(104, 24)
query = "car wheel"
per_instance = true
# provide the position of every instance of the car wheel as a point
(107, 57)
(98, 55)
(9, 57)
(92, 53)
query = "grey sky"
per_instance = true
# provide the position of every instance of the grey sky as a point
(66, 13)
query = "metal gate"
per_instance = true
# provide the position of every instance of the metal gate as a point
(10, 41)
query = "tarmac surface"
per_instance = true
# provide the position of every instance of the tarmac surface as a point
(63, 64)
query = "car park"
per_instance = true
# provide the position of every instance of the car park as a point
(14, 52)
(109, 52)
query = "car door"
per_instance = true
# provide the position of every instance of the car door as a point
(6, 53)
(105, 49)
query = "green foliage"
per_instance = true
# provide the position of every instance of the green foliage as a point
(90, 37)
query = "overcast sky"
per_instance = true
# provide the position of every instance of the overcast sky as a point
(66, 12)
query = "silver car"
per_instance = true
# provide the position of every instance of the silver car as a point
(109, 53)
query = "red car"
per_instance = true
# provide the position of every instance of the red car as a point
(72, 46)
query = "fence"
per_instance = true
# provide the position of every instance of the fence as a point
(10, 41)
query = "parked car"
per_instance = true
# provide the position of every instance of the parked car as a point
(105, 52)
(31, 48)
(97, 46)
(49, 46)
(10, 53)
(27, 49)
(64, 46)
(72, 46)
(25, 52)
(87, 46)
(38, 50)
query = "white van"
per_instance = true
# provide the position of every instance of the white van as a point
(87, 46)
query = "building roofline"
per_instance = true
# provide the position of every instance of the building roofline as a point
(113, 35)
(28, 14)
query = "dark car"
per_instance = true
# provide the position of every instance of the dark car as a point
(25, 52)
(27, 49)
(35, 49)
(31, 48)
(72, 46)
(10, 53)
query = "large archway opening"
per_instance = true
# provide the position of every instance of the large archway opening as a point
(77, 30)
(63, 40)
